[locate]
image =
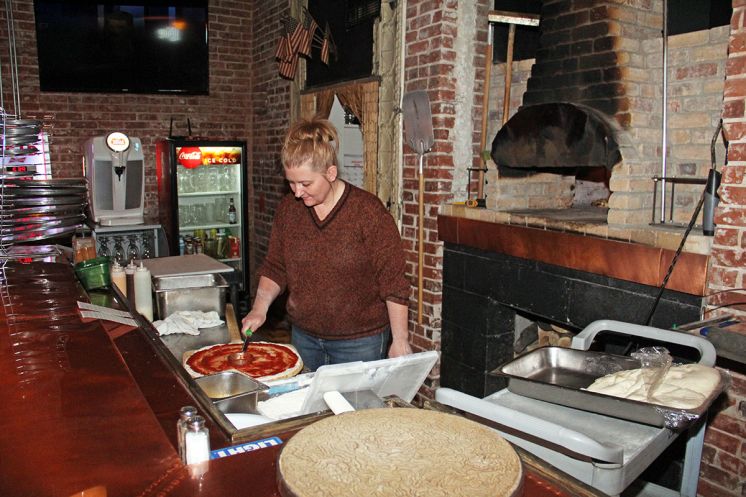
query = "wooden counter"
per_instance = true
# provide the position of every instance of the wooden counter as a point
(90, 406)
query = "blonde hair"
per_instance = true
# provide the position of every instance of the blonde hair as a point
(314, 139)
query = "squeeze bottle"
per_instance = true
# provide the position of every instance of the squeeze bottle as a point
(143, 298)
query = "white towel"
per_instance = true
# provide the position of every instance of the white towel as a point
(188, 322)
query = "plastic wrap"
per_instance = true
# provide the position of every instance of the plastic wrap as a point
(655, 362)
(680, 419)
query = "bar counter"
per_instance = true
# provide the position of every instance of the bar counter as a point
(90, 409)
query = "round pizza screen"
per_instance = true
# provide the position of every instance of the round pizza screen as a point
(266, 359)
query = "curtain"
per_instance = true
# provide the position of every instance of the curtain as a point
(361, 98)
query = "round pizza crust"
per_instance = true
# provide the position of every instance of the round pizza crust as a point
(398, 451)
(287, 373)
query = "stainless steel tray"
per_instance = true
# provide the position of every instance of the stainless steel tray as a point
(559, 375)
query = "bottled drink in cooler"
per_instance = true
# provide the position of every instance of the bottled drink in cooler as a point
(232, 216)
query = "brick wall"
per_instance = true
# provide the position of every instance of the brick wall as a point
(437, 41)
(244, 89)
(724, 459)
(271, 105)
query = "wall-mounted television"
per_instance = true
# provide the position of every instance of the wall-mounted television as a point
(130, 46)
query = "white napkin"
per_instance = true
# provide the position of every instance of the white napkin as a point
(188, 322)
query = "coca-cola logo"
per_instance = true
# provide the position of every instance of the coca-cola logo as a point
(190, 157)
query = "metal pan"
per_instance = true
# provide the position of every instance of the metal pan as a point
(47, 183)
(44, 201)
(21, 131)
(15, 174)
(21, 140)
(18, 192)
(40, 226)
(560, 375)
(18, 212)
(17, 152)
(39, 235)
(10, 221)
(22, 122)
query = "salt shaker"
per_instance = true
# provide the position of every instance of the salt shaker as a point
(185, 413)
(197, 441)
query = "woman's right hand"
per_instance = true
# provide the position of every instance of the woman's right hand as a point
(252, 321)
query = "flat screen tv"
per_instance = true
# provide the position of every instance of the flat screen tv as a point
(141, 46)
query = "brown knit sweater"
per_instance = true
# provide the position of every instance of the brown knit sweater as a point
(339, 272)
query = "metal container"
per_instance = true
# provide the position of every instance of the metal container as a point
(198, 292)
(231, 391)
(560, 376)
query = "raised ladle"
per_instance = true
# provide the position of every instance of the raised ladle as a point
(241, 358)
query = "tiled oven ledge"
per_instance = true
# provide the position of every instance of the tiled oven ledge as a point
(590, 222)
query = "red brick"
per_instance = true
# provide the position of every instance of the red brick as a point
(732, 464)
(722, 277)
(731, 194)
(735, 131)
(731, 216)
(733, 175)
(723, 441)
(734, 87)
(708, 489)
(719, 477)
(737, 152)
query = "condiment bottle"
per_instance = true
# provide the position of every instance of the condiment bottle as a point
(196, 441)
(143, 298)
(185, 413)
(119, 278)
(129, 273)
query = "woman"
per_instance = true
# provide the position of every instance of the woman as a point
(337, 251)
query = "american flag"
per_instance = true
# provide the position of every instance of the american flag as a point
(311, 26)
(297, 36)
(283, 51)
(325, 50)
(288, 68)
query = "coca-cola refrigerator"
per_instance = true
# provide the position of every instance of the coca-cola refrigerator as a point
(202, 199)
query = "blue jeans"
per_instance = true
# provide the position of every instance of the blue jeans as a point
(317, 352)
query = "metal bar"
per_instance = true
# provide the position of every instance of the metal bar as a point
(664, 124)
(673, 196)
(485, 110)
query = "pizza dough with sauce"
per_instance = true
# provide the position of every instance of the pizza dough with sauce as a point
(685, 386)
(269, 361)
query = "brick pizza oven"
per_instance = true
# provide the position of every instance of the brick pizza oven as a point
(588, 133)
(567, 236)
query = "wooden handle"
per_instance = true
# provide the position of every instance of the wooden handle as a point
(234, 332)
(420, 242)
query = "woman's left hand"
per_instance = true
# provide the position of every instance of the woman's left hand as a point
(399, 348)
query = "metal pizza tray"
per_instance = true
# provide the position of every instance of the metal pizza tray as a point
(50, 183)
(32, 236)
(22, 139)
(560, 375)
(22, 191)
(12, 201)
(40, 210)
(33, 219)
(40, 225)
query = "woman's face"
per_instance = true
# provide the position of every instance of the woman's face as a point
(312, 187)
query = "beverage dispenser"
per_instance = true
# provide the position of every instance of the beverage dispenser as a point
(114, 167)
